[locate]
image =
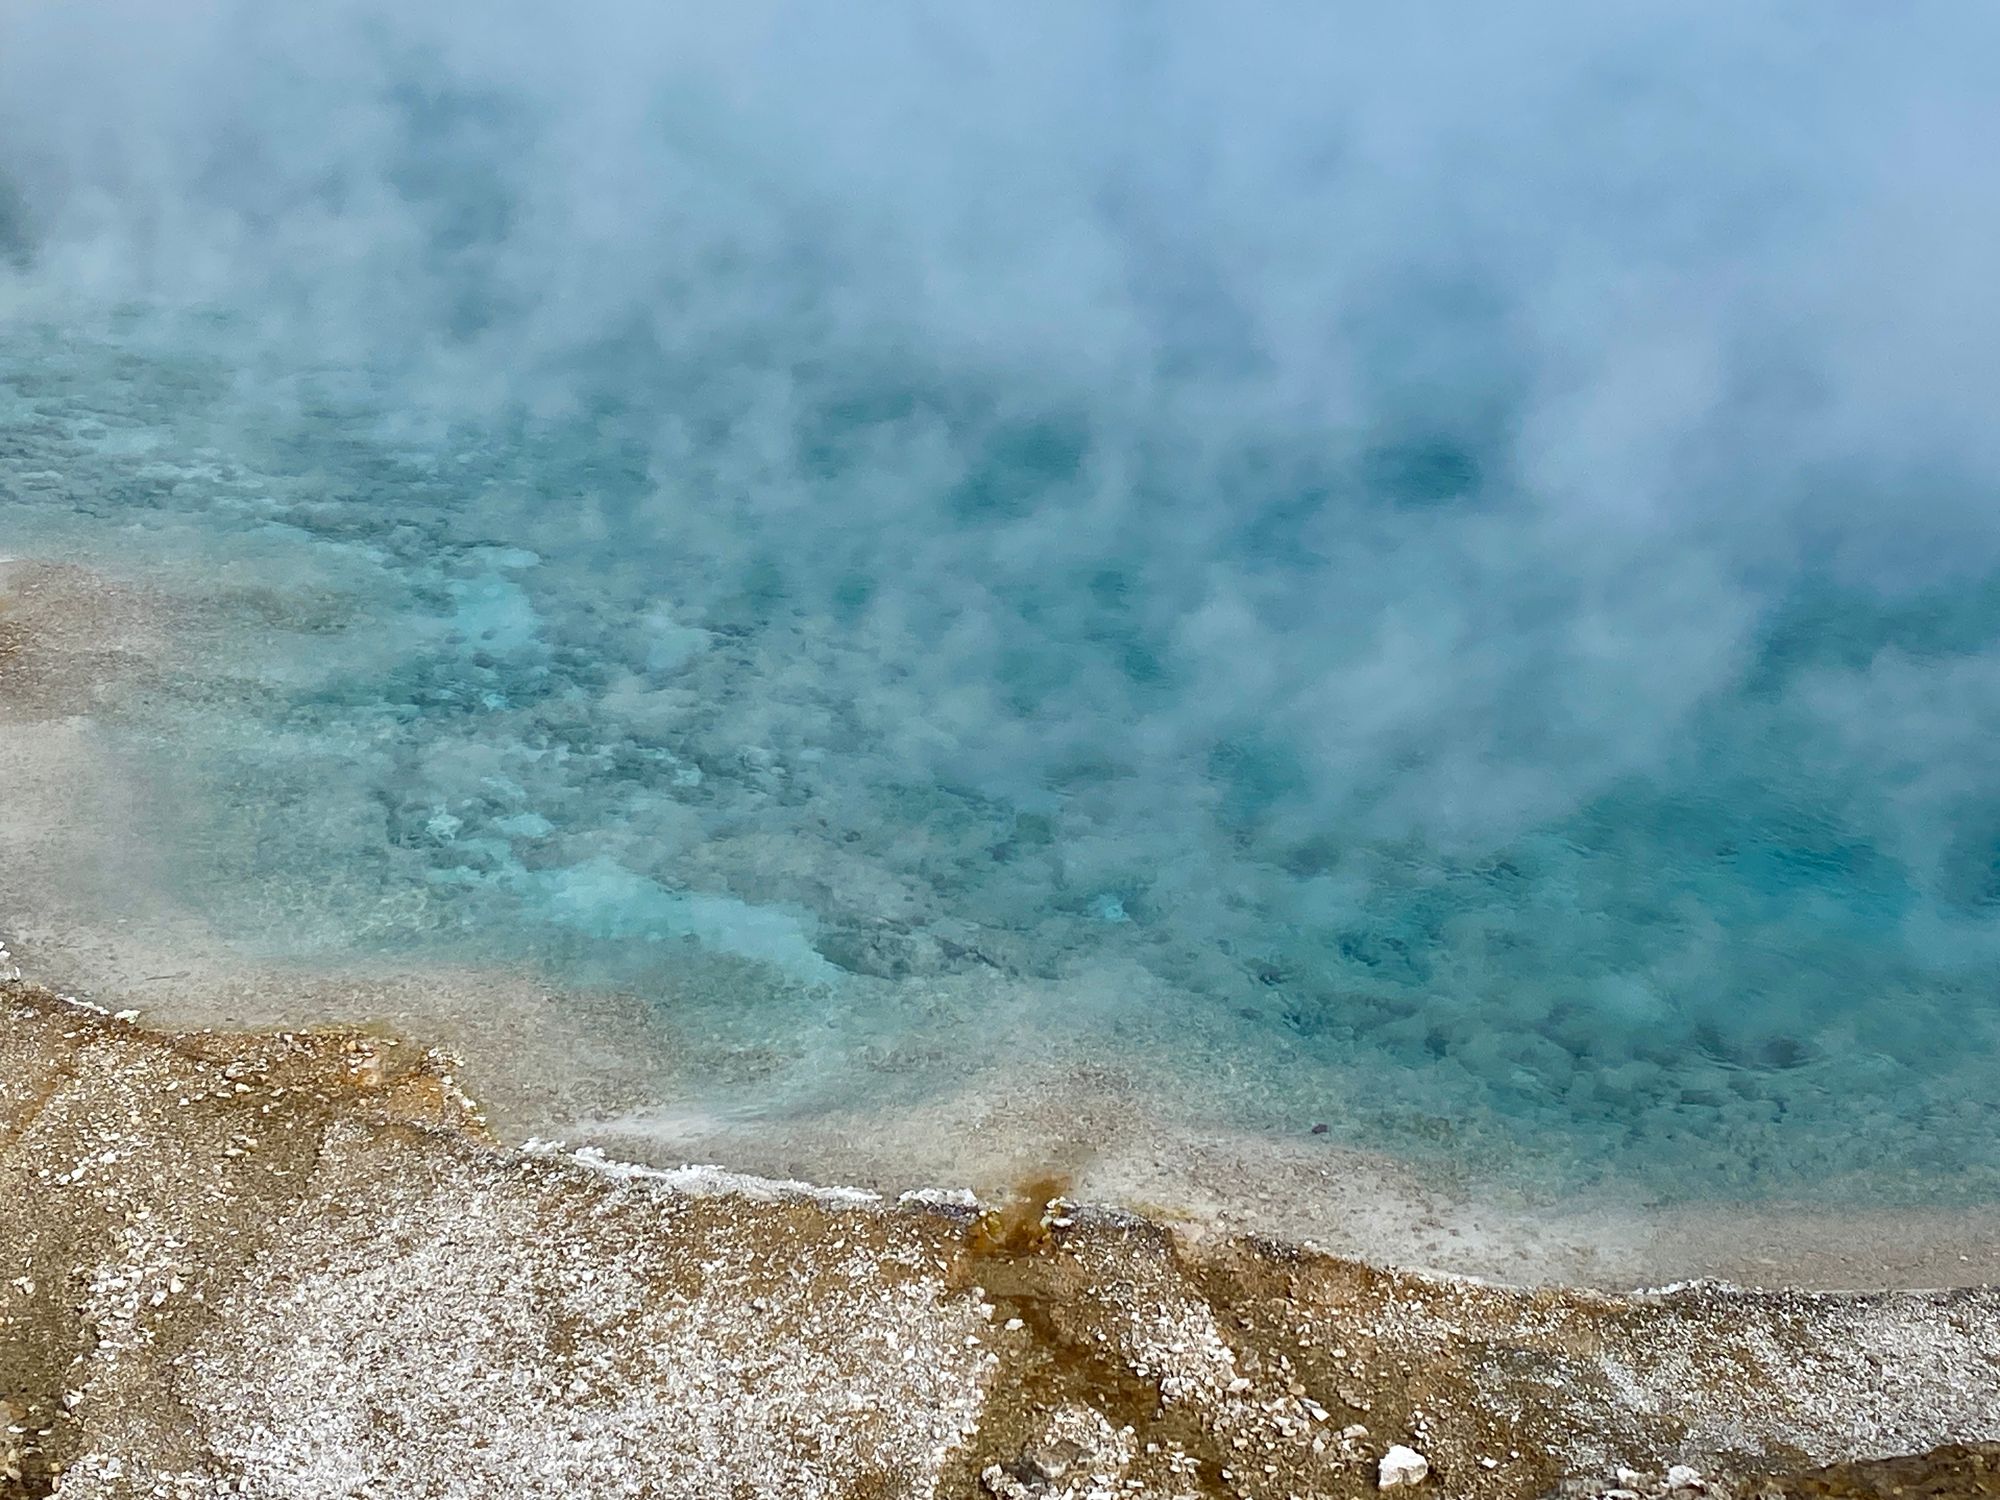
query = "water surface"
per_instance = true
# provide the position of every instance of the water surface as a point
(1164, 549)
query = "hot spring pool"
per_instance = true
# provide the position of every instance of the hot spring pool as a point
(981, 783)
(1100, 539)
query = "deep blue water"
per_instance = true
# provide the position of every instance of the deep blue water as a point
(1443, 581)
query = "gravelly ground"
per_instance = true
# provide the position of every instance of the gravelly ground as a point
(296, 1265)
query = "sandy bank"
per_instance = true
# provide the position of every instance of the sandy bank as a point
(296, 1265)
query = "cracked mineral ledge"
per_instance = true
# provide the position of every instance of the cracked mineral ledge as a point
(297, 1264)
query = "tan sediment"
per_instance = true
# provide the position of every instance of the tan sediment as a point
(608, 1070)
(297, 1265)
(1113, 1142)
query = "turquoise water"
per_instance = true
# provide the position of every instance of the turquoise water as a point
(453, 731)
(1523, 692)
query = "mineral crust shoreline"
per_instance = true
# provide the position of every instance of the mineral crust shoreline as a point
(297, 1264)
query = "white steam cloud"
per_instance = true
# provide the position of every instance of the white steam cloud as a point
(1448, 411)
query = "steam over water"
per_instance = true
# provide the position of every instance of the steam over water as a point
(1435, 569)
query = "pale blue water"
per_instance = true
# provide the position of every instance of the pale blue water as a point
(1513, 676)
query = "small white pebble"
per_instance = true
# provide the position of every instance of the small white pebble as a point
(1400, 1467)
